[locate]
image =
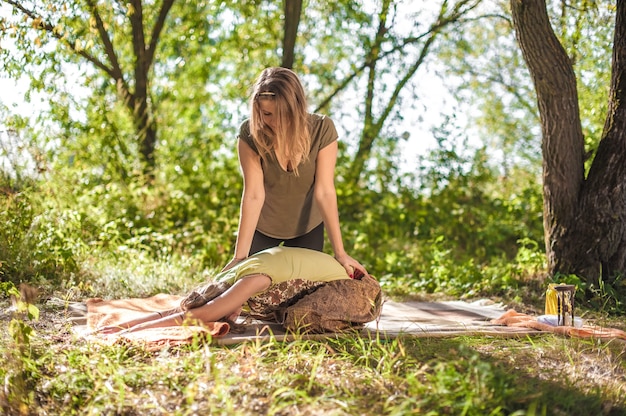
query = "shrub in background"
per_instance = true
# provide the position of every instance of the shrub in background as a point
(33, 243)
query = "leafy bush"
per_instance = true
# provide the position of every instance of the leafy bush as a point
(21, 371)
(445, 228)
(34, 245)
(455, 227)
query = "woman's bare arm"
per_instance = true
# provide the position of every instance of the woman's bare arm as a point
(326, 198)
(252, 200)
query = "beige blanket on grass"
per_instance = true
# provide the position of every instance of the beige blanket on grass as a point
(111, 312)
(513, 318)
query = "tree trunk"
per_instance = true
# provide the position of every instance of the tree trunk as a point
(584, 220)
(602, 217)
(293, 10)
(563, 143)
(140, 108)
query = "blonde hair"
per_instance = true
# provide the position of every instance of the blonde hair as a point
(290, 139)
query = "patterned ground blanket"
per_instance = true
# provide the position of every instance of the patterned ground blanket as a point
(419, 319)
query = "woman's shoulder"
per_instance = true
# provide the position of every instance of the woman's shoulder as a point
(244, 127)
(322, 130)
(245, 135)
(317, 118)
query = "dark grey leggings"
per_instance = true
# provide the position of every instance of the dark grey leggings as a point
(313, 240)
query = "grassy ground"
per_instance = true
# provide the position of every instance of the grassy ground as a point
(46, 370)
(54, 373)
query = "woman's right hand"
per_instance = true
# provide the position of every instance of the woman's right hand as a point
(232, 264)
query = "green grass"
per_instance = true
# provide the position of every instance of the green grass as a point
(352, 375)
(56, 373)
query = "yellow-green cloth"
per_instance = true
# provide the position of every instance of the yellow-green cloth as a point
(287, 263)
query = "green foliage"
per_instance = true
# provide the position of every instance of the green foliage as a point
(346, 375)
(467, 386)
(20, 158)
(456, 227)
(7, 288)
(194, 212)
(34, 245)
(608, 297)
(21, 370)
(489, 77)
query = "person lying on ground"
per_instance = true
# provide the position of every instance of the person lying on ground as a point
(223, 297)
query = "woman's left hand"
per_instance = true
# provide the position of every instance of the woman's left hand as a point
(353, 267)
(232, 264)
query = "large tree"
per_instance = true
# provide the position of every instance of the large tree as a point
(139, 46)
(99, 36)
(584, 215)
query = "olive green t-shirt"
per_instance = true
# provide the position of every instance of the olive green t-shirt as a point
(282, 264)
(289, 210)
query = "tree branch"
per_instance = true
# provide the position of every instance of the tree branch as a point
(106, 40)
(341, 86)
(122, 85)
(156, 31)
(51, 29)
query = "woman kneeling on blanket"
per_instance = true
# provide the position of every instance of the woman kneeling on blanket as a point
(223, 298)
